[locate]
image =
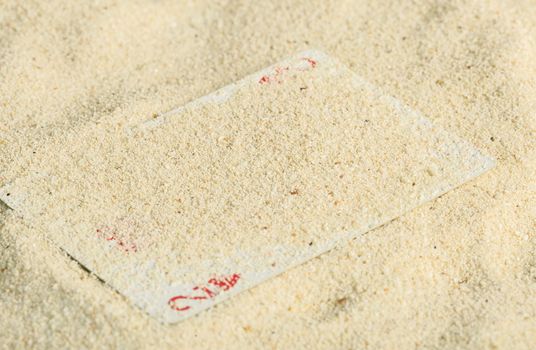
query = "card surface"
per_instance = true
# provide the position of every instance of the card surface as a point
(196, 205)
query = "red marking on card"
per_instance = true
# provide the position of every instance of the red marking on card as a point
(279, 72)
(264, 79)
(172, 305)
(112, 235)
(222, 285)
(312, 62)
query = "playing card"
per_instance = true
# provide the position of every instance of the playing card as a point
(198, 204)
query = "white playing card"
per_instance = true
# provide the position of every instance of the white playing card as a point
(196, 205)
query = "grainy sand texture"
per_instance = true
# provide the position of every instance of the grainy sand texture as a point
(456, 273)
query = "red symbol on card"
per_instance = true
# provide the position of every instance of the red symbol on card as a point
(310, 61)
(275, 77)
(264, 79)
(278, 74)
(217, 285)
(113, 235)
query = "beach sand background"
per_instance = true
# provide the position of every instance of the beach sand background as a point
(459, 272)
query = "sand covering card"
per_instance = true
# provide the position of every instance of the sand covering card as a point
(194, 206)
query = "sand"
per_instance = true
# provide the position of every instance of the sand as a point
(459, 272)
(261, 176)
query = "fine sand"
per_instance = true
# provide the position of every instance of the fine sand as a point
(458, 272)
